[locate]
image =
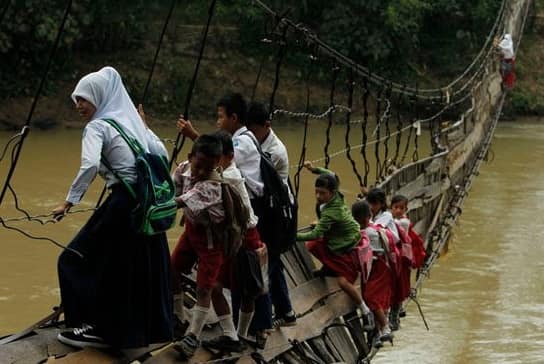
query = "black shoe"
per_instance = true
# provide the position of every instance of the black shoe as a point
(224, 344)
(84, 337)
(179, 328)
(387, 337)
(287, 320)
(187, 346)
(376, 342)
(260, 339)
(402, 312)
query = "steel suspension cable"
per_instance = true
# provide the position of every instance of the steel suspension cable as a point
(350, 87)
(282, 50)
(335, 72)
(25, 131)
(364, 124)
(179, 139)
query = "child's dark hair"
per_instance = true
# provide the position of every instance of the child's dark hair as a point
(399, 198)
(209, 145)
(328, 181)
(226, 141)
(257, 113)
(234, 103)
(360, 210)
(376, 195)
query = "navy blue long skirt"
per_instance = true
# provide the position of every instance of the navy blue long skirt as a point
(122, 284)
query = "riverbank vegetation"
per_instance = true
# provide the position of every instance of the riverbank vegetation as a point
(417, 42)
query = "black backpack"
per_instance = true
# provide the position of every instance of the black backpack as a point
(280, 213)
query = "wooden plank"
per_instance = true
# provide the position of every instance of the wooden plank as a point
(318, 344)
(308, 326)
(341, 338)
(307, 295)
(85, 356)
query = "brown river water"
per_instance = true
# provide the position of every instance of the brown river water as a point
(484, 300)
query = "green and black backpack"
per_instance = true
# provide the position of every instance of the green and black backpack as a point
(154, 191)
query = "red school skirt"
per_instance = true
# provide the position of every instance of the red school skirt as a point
(402, 283)
(378, 289)
(344, 265)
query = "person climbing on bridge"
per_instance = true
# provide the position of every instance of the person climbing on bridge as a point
(258, 122)
(508, 61)
(378, 289)
(118, 294)
(334, 238)
(199, 193)
(231, 117)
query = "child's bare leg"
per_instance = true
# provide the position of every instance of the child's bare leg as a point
(381, 320)
(354, 294)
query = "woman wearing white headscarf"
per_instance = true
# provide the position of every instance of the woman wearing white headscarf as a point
(118, 294)
(508, 61)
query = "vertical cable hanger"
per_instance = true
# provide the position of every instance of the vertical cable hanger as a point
(415, 155)
(366, 94)
(179, 139)
(350, 87)
(379, 95)
(19, 145)
(335, 72)
(282, 50)
(386, 116)
(313, 58)
(399, 130)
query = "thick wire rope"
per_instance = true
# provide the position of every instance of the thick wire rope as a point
(180, 141)
(387, 116)
(11, 140)
(415, 155)
(377, 131)
(335, 72)
(399, 128)
(302, 157)
(25, 131)
(282, 50)
(311, 37)
(366, 94)
(350, 87)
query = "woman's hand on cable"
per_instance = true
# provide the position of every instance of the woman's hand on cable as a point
(186, 128)
(309, 166)
(61, 210)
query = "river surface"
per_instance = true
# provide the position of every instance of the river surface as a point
(484, 301)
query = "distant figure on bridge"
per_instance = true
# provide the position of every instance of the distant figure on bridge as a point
(508, 61)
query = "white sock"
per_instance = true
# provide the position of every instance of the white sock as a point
(364, 308)
(198, 320)
(227, 325)
(178, 306)
(244, 320)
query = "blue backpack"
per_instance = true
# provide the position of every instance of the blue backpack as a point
(155, 192)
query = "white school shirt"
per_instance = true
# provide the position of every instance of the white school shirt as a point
(248, 161)
(278, 154)
(99, 137)
(233, 176)
(404, 223)
(385, 219)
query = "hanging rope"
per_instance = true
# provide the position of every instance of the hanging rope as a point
(179, 139)
(387, 116)
(335, 71)
(399, 128)
(306, 119)
(350, 86)
(377, 132)
(279, 59)
(415, 155)
(366, 93)
(24, 133)
(323, 115)
(11, 140)
(157, 51)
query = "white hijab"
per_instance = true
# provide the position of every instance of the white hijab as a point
(105, 90)
(507, 46)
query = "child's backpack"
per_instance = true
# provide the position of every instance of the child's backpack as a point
(232, 230)
(405, 248)
(249, 276)
(418, 248)
(280, 212)
(156, 208)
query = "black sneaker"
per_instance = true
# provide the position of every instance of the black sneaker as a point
(287, 320)
(187, 346)
(377, 342)
(83, 337)
(402, 312)
(224, 344)
(179, 328)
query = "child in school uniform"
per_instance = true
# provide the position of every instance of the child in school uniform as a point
(198, 191)
(379, 286)
(231, 174)
(335, 237)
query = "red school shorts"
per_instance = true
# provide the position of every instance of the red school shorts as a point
(192, 247)
(378, 288)
(344, 265)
